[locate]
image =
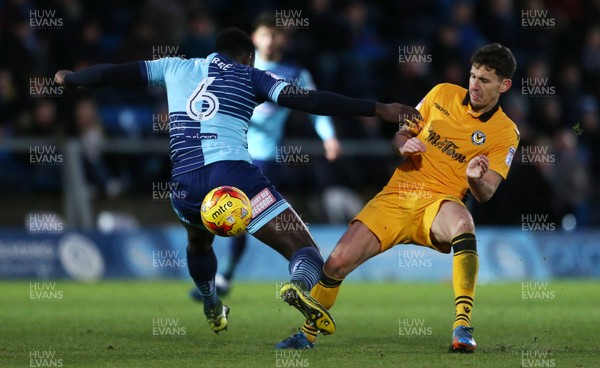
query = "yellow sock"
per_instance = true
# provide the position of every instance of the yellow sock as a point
(325, 292)
(465, 265)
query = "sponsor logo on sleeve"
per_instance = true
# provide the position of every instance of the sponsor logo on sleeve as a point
(509, 156)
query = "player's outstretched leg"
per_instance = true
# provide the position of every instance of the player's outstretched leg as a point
(356, 246)
(325, 293)
(305, 270)
(305, 265)
(202, 265)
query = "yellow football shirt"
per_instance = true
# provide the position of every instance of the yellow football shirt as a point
(453, 134)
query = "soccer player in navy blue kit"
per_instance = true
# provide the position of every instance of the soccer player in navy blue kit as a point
(210, 104)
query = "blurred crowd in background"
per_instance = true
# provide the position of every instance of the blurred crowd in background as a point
(351, 47)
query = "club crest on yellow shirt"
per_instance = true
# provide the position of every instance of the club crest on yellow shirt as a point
(478, 138)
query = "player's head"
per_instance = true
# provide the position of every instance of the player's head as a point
(268, 39)
(236, 44)
(492, 67)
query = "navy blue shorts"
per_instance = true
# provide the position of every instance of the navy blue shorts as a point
(189, 189)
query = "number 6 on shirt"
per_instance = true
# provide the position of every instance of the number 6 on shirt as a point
(199, 95)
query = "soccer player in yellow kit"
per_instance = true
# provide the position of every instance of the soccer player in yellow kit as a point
(465, 142)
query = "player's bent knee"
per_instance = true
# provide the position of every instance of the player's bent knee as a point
(464, 224)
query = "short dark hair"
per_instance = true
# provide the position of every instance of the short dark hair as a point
(266, 19)
(497, 57)
(234, 42)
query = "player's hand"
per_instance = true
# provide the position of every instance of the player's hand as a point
(59, 77)
(397, 113)
(332, 148)
(412, 146)
(477, 167)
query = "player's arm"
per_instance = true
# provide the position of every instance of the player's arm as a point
(483, 182)
(406, 144)
(128, 74)
(333, 104)
(274, 89)
(486, 172)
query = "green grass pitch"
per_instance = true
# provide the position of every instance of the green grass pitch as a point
(154, 324)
